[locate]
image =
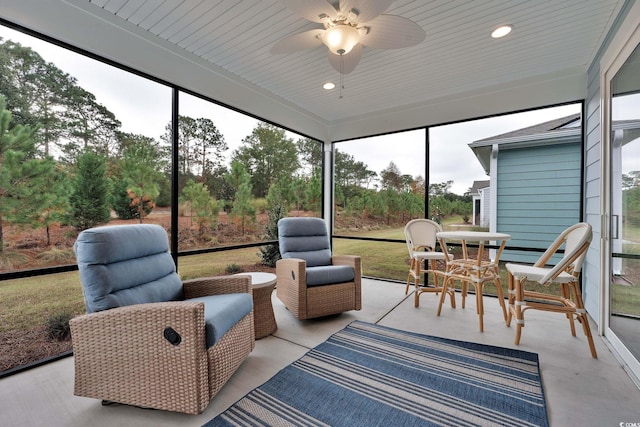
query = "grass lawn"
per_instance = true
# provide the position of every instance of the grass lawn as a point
(28, 303)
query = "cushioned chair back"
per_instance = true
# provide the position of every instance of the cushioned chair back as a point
(124, 265)
(305, 238)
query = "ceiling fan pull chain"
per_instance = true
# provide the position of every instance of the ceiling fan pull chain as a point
(341, 76)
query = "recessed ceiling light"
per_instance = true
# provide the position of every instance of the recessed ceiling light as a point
(501, 31)
(329, 85)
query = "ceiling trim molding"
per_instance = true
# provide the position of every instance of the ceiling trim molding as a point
(556, 88)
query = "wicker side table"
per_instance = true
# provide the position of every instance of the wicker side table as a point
(264, 320)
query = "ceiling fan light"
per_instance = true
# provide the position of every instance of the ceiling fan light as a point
(341, 38)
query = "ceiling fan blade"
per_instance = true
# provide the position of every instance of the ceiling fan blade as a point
(311, 9)
(368, 9)
(392, 32)
(345, 64)
(307, 40)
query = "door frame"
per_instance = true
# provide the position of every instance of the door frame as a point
(621, 47)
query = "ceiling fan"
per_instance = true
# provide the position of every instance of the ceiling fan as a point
(347, 26)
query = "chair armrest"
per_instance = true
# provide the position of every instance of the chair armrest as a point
(217, 285)
(292, 284)
(140, 319)
(354, 261)
(122, 354)
(292, 272)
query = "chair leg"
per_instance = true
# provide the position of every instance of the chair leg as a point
(584, 319)
(566, 294)
(452, 296)
(464, 291)
(587, 333)
(501, 297)
(511, 294)
(445, 290)
(406, 289)
(417, 271)
(519, 312)
(480, 305)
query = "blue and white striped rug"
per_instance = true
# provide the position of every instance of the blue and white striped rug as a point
(370, 375)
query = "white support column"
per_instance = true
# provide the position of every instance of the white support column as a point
(326, 183)
(493, 195)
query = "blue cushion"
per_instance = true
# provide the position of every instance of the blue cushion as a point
(305, 238)
(328, 275)
(222, 312)
(126, 264)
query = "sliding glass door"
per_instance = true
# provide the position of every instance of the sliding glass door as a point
(624, 211)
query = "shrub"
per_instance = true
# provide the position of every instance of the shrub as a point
(233, 269)
(260, 205)
(12, 260)
(125, 203)
(270, 254)
(56, 255)
(121, 202)
(58, 326)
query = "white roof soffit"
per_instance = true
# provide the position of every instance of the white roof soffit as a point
(221, 49)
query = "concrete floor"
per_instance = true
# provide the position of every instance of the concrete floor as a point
(580, 391)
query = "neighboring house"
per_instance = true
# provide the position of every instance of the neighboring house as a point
(534, 190)
(535, 183)
(480, 193)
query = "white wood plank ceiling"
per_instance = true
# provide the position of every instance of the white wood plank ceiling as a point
(457, 58)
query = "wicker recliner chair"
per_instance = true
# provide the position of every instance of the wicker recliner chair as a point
(149, 339)
(312, 282)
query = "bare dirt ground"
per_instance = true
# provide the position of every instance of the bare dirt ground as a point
(26, 248)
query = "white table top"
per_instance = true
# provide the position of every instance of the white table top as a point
(473, 236)
(259, 279)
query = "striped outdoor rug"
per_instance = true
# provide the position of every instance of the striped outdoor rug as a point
(370, 375)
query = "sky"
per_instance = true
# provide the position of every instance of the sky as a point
(144, 107)
(451, 157)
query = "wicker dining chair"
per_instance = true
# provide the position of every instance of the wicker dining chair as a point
(148, 339)
(420, 235)
(563, 278)
(311, 281)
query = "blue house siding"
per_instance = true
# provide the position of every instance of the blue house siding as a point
(538, 196)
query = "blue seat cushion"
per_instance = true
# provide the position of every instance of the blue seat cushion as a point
(329, 275)
(222, 312)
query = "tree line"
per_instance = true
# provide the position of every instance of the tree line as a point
(64, 159)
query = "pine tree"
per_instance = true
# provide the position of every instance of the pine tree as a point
(242, 207)
(313, 192)
(140, 169)
(120, 200)
(88, 199)
(203, 206)
(24, 179)
(277, 204)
